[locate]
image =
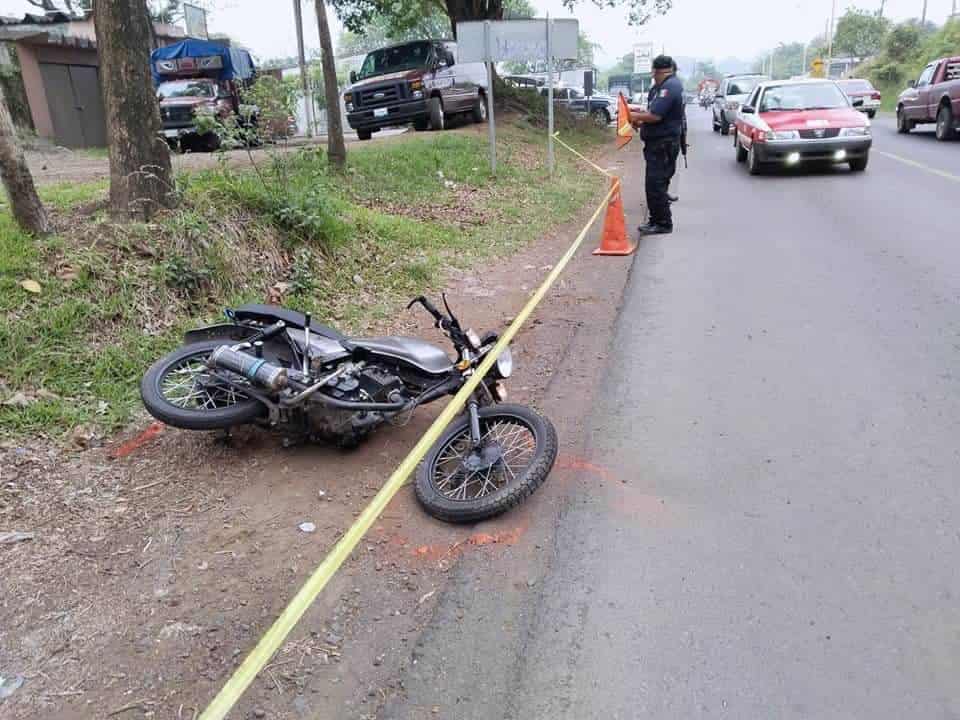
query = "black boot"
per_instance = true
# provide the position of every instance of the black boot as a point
(655, 229)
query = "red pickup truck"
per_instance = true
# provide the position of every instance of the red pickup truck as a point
(935, 97)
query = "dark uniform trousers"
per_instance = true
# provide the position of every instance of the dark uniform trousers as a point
(660, 155)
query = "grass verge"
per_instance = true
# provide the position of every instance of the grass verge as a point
(348, 248)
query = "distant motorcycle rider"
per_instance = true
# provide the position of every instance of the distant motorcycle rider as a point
(661, 126)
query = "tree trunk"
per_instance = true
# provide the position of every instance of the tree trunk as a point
(27, 209)
(336, 150)
(141, 179)
(459, 10)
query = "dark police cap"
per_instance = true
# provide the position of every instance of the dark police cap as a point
(662, 62)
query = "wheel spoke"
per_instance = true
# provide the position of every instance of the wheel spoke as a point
(514, 445)
(191, 385)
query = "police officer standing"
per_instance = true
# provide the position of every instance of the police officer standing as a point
(660, 128)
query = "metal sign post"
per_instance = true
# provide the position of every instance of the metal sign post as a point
(491, 41)
(491, 122)
(302, 62)
(550, 158)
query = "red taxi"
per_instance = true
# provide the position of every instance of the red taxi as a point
(789, 122)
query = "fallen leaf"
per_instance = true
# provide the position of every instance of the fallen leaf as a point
(18, 399)
(31, 286)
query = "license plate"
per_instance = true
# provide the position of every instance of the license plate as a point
(380, 112)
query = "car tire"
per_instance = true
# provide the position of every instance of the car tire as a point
(903, 124)
(601, 117)
(438, 119)
(421, 124)
(478, 112)
(364, 134)
(871, 114)
(753, 162)
(859, 164)
(741, 153)
(945, 127)
(716, 125)
(724, 125)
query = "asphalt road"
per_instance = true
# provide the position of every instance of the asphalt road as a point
(768, 523)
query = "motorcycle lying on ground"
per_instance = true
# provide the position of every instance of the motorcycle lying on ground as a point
(275, 367)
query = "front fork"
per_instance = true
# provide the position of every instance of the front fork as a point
(473, 408)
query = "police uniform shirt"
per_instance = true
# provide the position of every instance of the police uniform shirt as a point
(666, 102)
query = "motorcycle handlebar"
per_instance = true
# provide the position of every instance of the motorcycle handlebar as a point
(429, 307)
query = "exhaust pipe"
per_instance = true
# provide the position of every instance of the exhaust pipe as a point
(256, 370)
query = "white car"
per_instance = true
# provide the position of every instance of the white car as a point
(733, 91)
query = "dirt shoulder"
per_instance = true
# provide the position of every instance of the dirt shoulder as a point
(156, 562)
(54, 165)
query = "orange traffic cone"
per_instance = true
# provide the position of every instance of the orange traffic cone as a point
(614, 240)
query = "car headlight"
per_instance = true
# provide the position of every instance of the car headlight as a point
(783, 135)
(417, 94)
(854, 132)
(349, 107)
(733, 105)
(504, 364)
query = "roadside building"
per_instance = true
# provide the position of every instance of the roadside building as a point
(50, 70)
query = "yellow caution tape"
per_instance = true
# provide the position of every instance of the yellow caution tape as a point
(278, 632)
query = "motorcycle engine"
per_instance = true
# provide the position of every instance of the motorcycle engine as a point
(370, 383)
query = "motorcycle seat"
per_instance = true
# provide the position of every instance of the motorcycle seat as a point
(416, 352)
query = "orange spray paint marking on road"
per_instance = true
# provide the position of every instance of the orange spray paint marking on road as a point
(568, 462)
(134, 444)
(441, 552)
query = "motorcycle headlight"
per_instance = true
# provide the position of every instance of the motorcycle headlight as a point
(854, 132)
(783, 135)
(504, 364)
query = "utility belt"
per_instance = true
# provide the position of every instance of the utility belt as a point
(661, 141)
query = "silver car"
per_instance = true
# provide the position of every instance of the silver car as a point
(733, 91)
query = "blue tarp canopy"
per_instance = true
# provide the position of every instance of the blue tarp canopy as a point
(200, 58)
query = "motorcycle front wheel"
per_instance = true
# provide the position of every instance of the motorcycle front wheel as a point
(179, 390)
(459, 483)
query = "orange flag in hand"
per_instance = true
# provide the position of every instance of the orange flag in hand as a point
(624, 128)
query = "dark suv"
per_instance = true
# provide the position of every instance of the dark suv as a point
(417, 82)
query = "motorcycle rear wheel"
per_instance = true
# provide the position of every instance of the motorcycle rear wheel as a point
(518, 449)
(179, 390)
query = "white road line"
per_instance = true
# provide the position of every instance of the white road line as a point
(921, 166)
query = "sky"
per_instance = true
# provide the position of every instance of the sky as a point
(698, 28)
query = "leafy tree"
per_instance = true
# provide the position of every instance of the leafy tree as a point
(25, 204)
(405, 13)
(336, 148)
(141, 179)
(71, 7)
(382, 30)
(585, 50)
(901, 42)
(859, 33)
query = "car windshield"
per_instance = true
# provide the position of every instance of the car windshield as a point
(856, 86)
(395, 59)
(742, 86)
(186, 88)
(813, 96)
